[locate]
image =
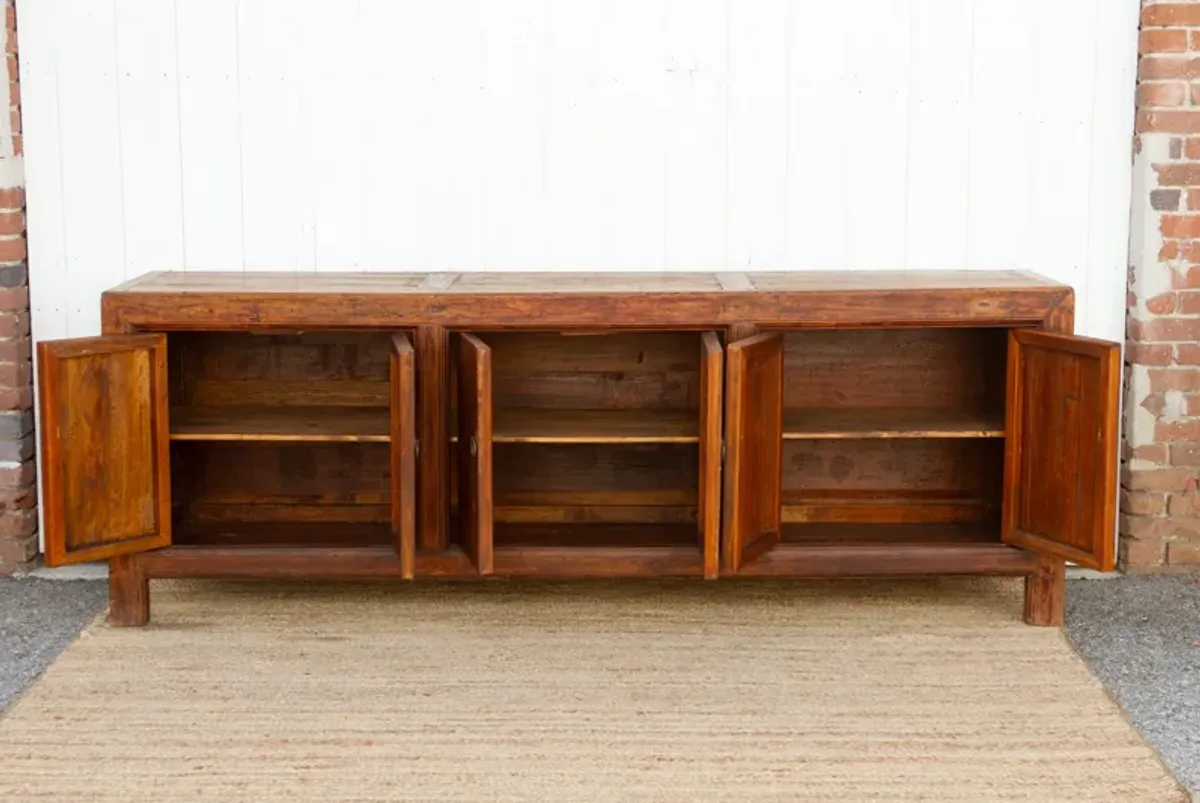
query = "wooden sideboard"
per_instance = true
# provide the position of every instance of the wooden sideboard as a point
(705, 425)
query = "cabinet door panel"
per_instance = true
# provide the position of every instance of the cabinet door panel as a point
(1060, 468)
(404, 457)
(105, 448)
(709, 514)
(475, 449)
(754, 448)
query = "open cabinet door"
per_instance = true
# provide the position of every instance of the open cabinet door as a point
(404, 454)
(475, 450)
(709, 511)
(1060, 462)
(754, 448)
(105, 450)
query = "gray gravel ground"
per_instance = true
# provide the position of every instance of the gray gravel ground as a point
(1141, 635)
(38, 618)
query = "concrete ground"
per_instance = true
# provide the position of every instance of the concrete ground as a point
(38, 618)
(1140, 634)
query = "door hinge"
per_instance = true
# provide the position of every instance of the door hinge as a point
(722, 450)
(417, 447)
(474, 446)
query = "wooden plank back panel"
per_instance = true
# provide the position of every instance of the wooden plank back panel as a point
(306, 369)
(309, 482)
(596, 483)
(948, 368)
(106, 483)
(283, 393)
(881, 466)
(625, 370)
(598, 467)
(892, 481)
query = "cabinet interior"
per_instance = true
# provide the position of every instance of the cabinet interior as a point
(281, 438)
(595, 438)
(893, 435)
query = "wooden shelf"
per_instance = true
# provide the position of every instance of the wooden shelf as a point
(581, 536)
(529, 425)
(299, 424)
(293, 534)
(849, 535)
(597, 550)
(889, 422)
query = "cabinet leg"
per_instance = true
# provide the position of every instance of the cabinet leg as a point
(128, 593)
(1046, 593)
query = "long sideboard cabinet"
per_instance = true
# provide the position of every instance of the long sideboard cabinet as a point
(560, 425)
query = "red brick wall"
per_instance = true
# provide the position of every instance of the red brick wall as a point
(1160, 498)
(18, 496)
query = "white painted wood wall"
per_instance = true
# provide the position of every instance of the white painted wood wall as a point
(374, 135)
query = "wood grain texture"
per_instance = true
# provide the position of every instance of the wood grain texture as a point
(256, 512)
(893, 464)
(593, 514)
(500, 283)
(754, 455)
(299, 562)
(599, 468)
(712, 377)
(104, 423)
(613, 370)
(573, 535)
(890, 422)
(600, 460)
(557, 562)
(895, 534)
(403, 454)
(270, 562)
(298, 392)
(475, 449)
(598, 482)
(281, 424)
(284, 533)
(273, 369)
(128, 592)
(960, 368)
(432, 348)
(280, 482)
(1060, 460)
(178, 301)
(892, 480)
(1046, 593)
(883, 509)
(891, 560)
(528, 425)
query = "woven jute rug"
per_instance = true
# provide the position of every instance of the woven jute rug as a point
(919, 690)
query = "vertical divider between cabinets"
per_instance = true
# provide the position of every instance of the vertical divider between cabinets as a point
(433, 463)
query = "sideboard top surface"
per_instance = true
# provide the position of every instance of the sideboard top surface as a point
(206, 300)
(505, 283)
